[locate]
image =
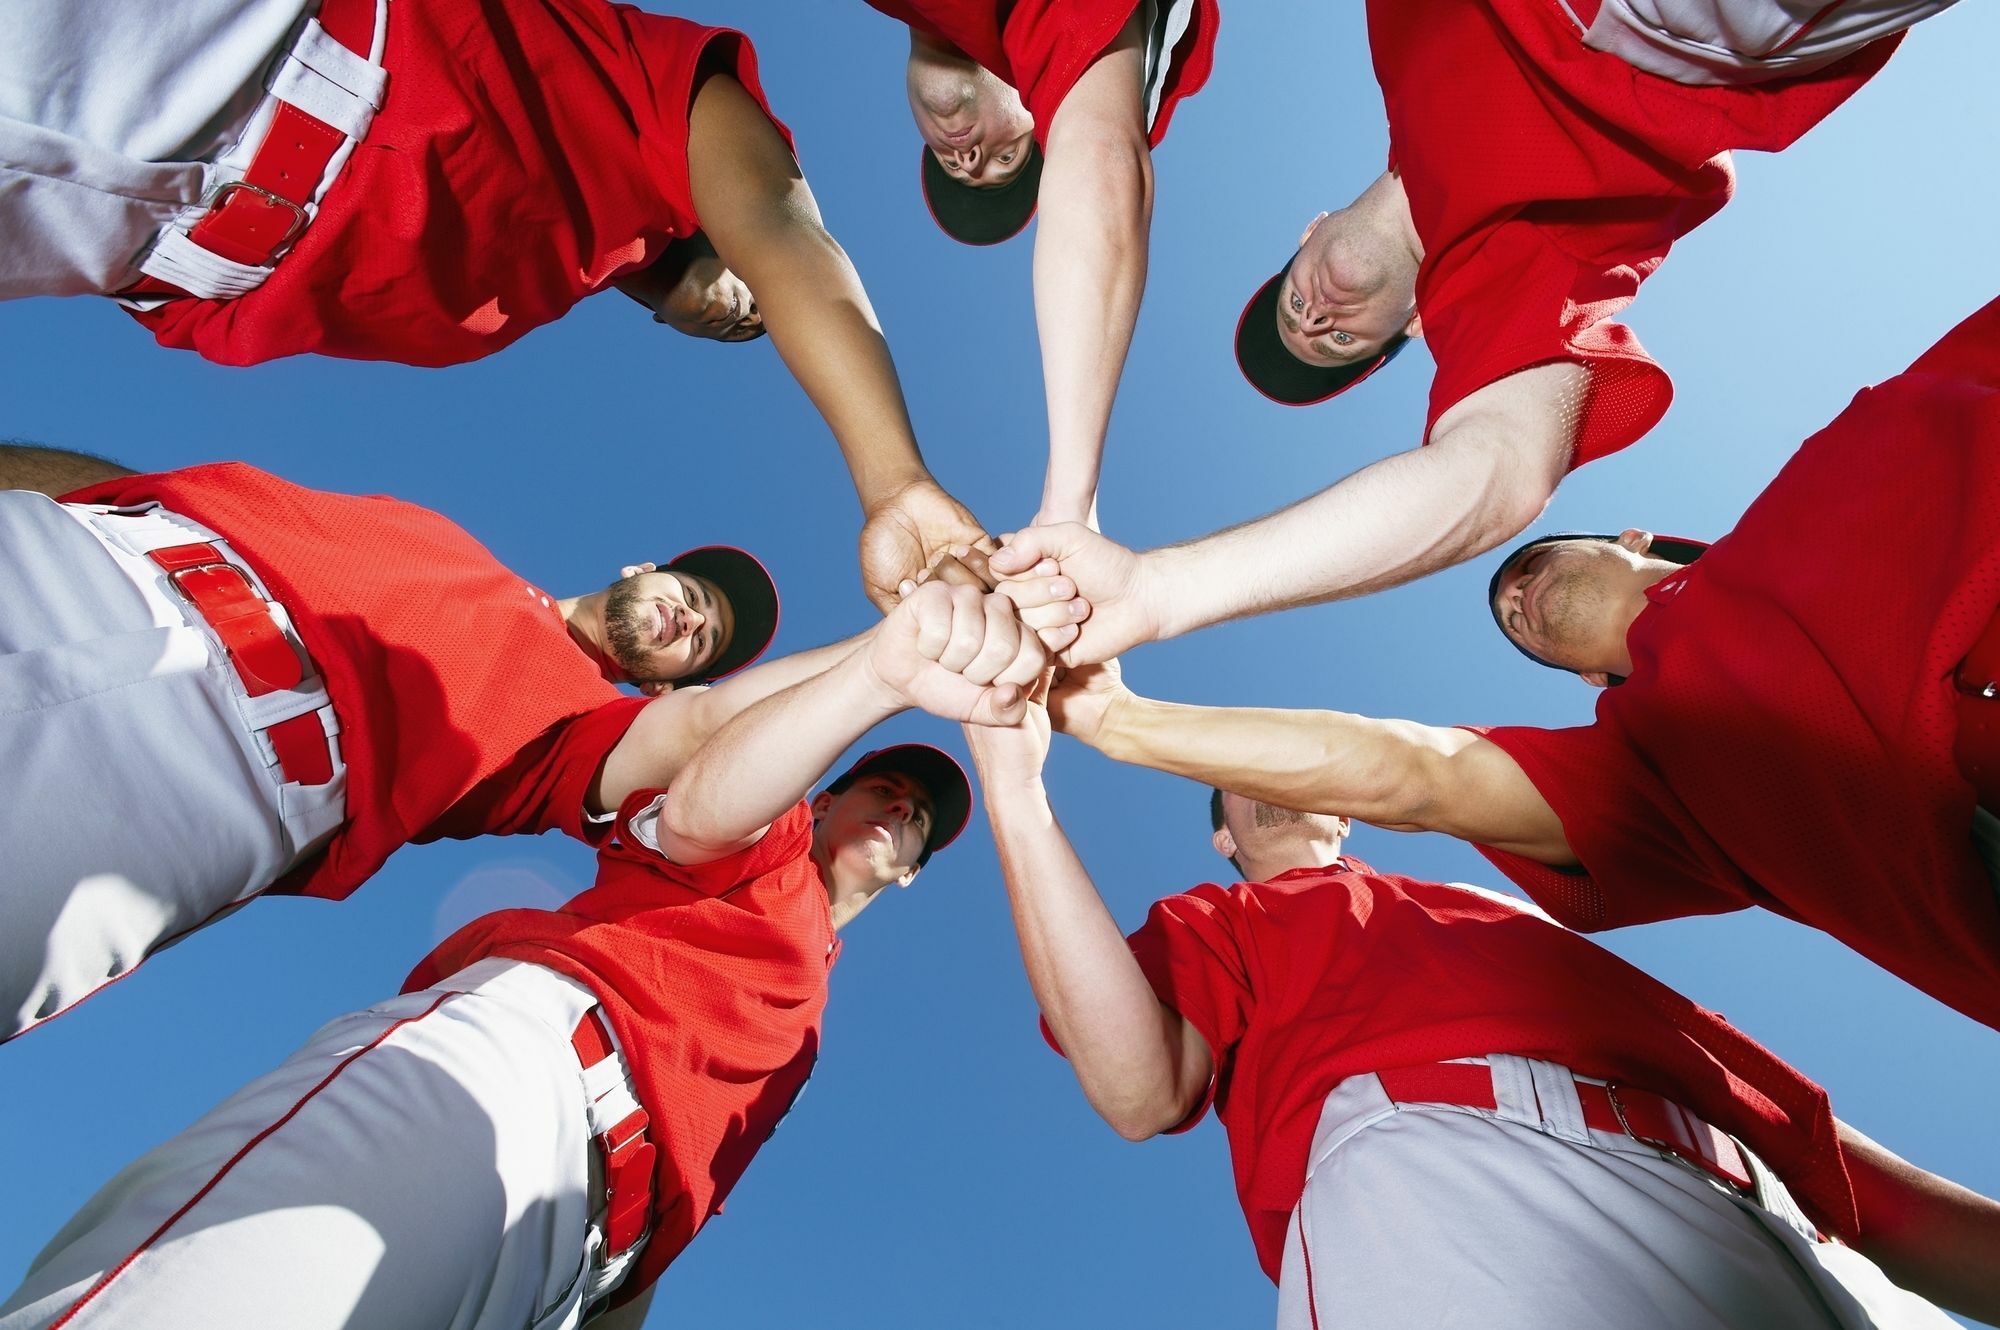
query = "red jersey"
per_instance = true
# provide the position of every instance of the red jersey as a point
(1322, 974)
(714, 979)
(529, 153)
(1785, 737)
(1040, 48)
(465, 708)
(1546, 181)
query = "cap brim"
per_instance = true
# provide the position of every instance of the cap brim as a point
(982, 216)
(753, 602)
(1674, 549)
(940, 775)
(1274, 371)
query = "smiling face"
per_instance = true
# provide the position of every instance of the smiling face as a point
(871, 833)
(1349, 291)
(974, 124)
(662, 626)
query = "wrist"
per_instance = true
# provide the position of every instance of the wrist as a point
(876, 694)
(1187, 609)
(882, 483)
(1013, 792)
(1116, 733)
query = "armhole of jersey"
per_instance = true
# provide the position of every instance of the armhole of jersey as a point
(643, 827)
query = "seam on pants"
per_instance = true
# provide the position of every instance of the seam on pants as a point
(243, 1151)
(1306, 1251)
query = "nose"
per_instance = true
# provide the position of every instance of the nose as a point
(1315, 321)
(968, 158)
(694, 620)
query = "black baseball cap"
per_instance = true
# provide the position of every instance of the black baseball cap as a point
(752, 597)
(934, 769)
(982, 216)
(1281, 376)
(1674, 549)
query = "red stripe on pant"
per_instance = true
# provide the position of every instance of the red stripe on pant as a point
(104, 1280)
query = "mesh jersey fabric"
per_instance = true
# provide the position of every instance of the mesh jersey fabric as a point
(1040, 48)
(1325, 973)
(1785, 737)
(714, 978)
(445, 668)
(1546, 181)
(528, 153)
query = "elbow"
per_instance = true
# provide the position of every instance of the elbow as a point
(1140, 1117)
(1106, 164)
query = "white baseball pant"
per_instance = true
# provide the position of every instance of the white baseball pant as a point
(422, 1165)
(1717, 42)
(1522, 1219)
(143, 798)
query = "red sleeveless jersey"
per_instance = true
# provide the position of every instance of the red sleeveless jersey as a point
(1040, 48)
(1785, 738)
(450, 675)
(1325, 973)
(1547, 180)
(529, 153)
(714, 978)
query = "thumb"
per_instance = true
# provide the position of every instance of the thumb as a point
(1004, 704)
(1025, 549)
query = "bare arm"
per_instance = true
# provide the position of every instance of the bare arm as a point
(672, 727)
(1932, 1236)
(954, 651)
(1141, 1065)
(1395, 774)
(1494, 460)
(53, 471)
(1095, 213)
(757, 209)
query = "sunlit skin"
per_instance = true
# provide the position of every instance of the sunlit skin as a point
(974, 124)
(1353, 285)
(1571, 602)
(1264, 840)
(867, 837)
(651, 627)
(693, 291)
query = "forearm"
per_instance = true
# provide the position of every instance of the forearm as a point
(669, 732)
(1126, 1048)
(1310, 761)
(760, 214)
(1930, 1235)
(1093, 224)
(53, 471)
(766, 758)
(1484, 477)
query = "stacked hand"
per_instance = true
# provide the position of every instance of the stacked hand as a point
(918, 528)
(1102, 601)
(957, 652)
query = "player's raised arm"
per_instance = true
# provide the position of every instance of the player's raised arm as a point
(760, 214)
(1143, 1067)
(1929, 1234)
(953, 651)
(1395, 774)
(1493, 461)
(1090, 263)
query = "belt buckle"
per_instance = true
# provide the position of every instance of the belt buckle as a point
(299, 218)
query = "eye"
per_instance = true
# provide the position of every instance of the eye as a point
(1298, 304)
(1343, 339)
(1006, 158)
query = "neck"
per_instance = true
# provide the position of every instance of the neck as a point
(1281, 859)
(1645, 575)
(583, 616)
(843, 906)
(1385, 200)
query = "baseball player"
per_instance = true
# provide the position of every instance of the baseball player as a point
(1057, 102)
(562, 1098)
(1438, 1100)
(1824, 671)
(1530, 190)
(266, 178)
(277, 687)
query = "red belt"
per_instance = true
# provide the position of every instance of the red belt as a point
(1977, 746)
(626, 1153)
(250, 220)
(264, 658)
(1640, 1114)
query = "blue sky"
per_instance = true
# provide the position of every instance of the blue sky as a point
(942, 1168)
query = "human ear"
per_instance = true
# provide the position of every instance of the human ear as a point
(1635, 540)
(1415, 327)
(1311, 226)
(821, 802)
(1595, 678)
(1224, 843)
